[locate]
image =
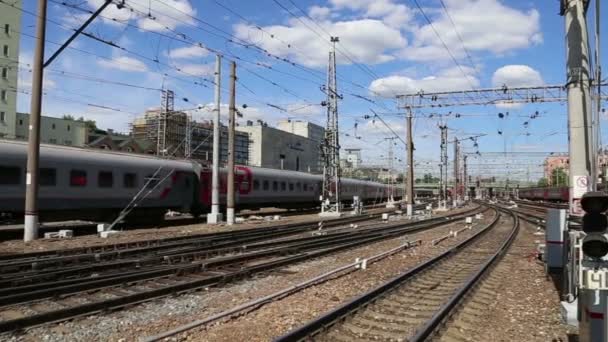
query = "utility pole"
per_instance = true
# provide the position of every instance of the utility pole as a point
(579, 103)
(330, 198)
(33, 156)
(231, 133)
(410, 167)
(590, 269)
(391, 158)
(33, 147)
(215, 216)
(456, 173)
(444, 163)
(598, 103)
(465, 180)
(167, 108)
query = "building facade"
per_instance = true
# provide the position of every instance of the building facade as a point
(563, 161)
(278, 149)
(308, 130)
(10, 26)
(56, 131)
(302, 128)
(146, 130)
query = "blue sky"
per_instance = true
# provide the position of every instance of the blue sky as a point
(172, 44)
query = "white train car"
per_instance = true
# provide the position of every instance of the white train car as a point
(79, 183)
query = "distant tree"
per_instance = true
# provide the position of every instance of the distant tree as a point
(68, 117)
(91, 125)
(559, 177)
(543, 182)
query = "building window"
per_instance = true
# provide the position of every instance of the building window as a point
(20, 122)
(130, 180)
(7, 29)
(2, 116)
(67, 142)
(78, 178)
(53, 126)
(68, 128)
(5, 73)
(53, 141)
(105, 179)
(5, 51)
(3, 95)
(48, 177)
(10, 175)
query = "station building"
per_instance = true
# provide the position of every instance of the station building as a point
(281, 149)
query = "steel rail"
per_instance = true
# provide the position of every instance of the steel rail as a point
(319, 324)
(46, 290)
(454, 302)
(205, 279)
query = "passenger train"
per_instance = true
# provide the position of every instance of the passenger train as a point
(553, 194)
(80, 183)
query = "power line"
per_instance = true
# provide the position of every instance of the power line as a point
(457, 34)
(428, 20)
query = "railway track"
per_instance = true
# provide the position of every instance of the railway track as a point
(42, 288)
(414, 305)
(12, 231)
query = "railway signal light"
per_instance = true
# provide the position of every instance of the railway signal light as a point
(595, 222)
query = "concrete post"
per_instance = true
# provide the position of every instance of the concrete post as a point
(231, 125)
(581, 155)
(33, 148)
(215, 216)
(410, 168)
(456, 175)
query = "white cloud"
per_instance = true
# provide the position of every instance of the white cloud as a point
(318, 12)
(391, 13)
(24, 78)
(483, 25)
(516, 76)
(124, 63)
(188, 52)
(445, 80)
(199, 70)
(165, 13)
(367, 41)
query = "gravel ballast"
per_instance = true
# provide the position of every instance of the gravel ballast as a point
(155, 317)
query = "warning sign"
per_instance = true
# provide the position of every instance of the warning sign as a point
(580, 186)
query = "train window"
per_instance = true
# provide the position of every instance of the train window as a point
(48, 177)
(283, 186)
(256, 184)
(151, 181)
(78, 178)
(266, 185)
(298, 186)
(290, 186)
(129, 180)
(10, 175)
(275, 186)
(305, 186)
(105, 179)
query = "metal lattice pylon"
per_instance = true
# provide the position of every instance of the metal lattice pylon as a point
(166, 108)
(330, 196)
